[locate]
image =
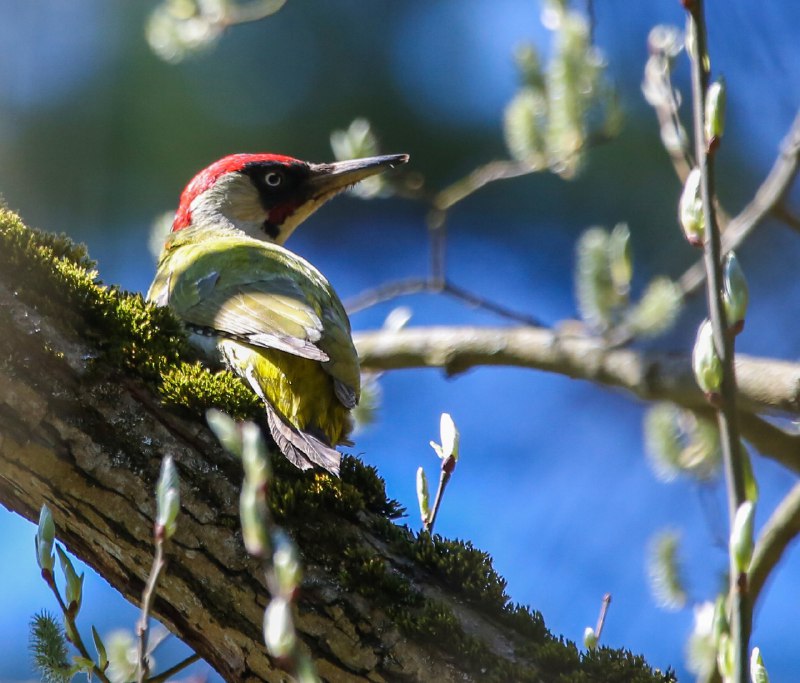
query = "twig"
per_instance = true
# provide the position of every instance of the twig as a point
(448, 465)
(601, 618)
(180, 666)
(142, 627)
(779, 531)
(480, 177)
(392, 290)
(740, 618)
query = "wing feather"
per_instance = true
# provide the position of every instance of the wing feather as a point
(265, 295)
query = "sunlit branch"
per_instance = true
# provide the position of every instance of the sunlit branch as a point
(765, 385)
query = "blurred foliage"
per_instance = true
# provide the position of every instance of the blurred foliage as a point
(603, 273)
(564, 103)
(664, 571)
(178, 29)
(679, 442)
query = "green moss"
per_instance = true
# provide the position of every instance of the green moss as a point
(461, 565)
(57, 277)
(194, 387)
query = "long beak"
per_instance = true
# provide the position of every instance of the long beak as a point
(327, 179)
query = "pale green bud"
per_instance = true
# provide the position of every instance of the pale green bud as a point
(735, 293)
(279, 633)
(758, 672)
(750, 481)
(725, 657)
(253, 515)
(705, 360)
(690, 209)
(74, 589)
(422, 496)
(226, 430)
(102, 656)
(45, 536)
(589, 638)
(285, 564)
(715, 112)
(741, 542)
(450, 438)
(254, 456)
(620, 260)
(168, 501)
(720, 623)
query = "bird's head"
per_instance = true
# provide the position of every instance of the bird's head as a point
(268, 195)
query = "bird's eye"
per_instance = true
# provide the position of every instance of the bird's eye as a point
(273, 179)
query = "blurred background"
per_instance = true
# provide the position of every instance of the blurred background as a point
(98, 136)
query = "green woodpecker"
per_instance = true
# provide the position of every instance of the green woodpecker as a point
(266, 313)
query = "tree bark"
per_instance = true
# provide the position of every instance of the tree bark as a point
(87, 438)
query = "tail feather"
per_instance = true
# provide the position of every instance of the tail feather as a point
(301, 449)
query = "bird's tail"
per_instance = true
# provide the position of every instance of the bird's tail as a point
(303, 450)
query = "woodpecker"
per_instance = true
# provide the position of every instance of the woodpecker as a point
(260, 309)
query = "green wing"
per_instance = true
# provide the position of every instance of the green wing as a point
(259, 293)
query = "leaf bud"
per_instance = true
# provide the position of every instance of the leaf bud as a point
(422, 496)
(690, 209)
(102, 656)
(45, 536)
(705, 360)
(168, 500)
(758, 672)
(254, 456)
(715, 112)
(725, 657)
(741, 543)
(450, 438)
(735, 293)
(253, 515)
(74, 589)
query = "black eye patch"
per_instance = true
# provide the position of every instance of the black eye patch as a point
(276, 183)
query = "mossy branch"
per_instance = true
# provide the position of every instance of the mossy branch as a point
(84, 429)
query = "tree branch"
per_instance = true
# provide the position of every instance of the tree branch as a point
(764, 385)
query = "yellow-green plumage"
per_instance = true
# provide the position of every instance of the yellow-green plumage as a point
(274, 319)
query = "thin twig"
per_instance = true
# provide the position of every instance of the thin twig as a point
(740, 617)
(601, 618)
(180, 666)
(448, 464)
(148, 595)
(392, 290)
